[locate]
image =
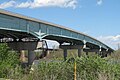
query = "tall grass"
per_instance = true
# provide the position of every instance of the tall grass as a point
(88, 68)
(91, 67)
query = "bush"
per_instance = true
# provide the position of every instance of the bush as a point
(88, 68)
(8, 61)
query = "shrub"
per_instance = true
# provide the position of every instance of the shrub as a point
(88, 68)
(8, 61)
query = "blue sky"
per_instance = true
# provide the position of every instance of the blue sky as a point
(97, 18)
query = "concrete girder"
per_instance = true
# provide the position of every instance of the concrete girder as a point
(91, 50)
(92, 46)
(71, 46)
(102, 53)
(24, 45)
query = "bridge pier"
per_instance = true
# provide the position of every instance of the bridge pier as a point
(28, 46)
(86, 53)
(45, 52)
(65, 54)
(79, 52)
(66, 47)
(104, 54)
(96, 51)
(31, 57)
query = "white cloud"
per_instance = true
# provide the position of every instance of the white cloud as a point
(99, 2)
(40, 3)
(112, 41)
(48, 3)
(24, 5)
(7, 4)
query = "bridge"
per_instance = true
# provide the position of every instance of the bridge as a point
(26, 33)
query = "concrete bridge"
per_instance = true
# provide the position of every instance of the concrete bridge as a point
(26, 33)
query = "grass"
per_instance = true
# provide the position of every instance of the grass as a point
(88, 68)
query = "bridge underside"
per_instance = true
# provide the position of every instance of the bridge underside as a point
(22, 36)
(61, 40)
(7, 35)
(16, 36)
(25, 41)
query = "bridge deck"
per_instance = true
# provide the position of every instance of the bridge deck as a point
(42, 29)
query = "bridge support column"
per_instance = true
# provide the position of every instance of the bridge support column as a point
(65, 54)
(110, 52)
(30, 46)
(96, 51)
(104, 53)
(45, 52)
(66, 47)
(99, 53)
(31, 57)
(79, 52)
(86, 53)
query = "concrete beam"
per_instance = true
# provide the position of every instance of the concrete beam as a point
(24, 45)
(91, 50)
(102, 53)
(71, 46)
